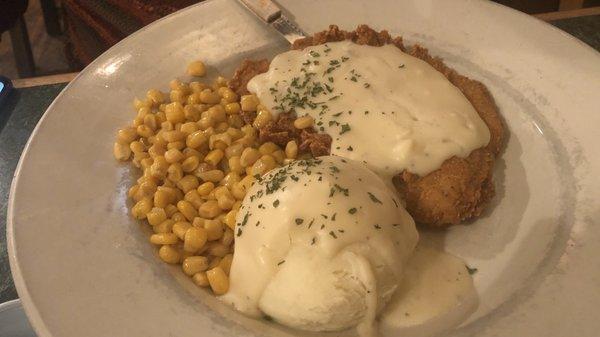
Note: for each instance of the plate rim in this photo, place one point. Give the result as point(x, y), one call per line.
point(26, 300)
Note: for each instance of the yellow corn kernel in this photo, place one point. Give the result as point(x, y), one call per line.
point(189, 152)
point(178, 217)
point(291, 149)
point(169, 254)
point(249, 157)
point(170, 209)
point(191, 112)
point(155, 96)
point(263, 165)
point(163, 239)
point(173, 136)
point(218, 280)
point(196, 139)
point(188, 183)
point(219, 141)
point(217, 249)
point(200, 279)
point(144, 131)
point(268, 148)
point(174, 112)
point(249, 102)
point(196, 68)
point(227, 238)
point(205, 188)
point(156, 216)
point(225, 263)
point(230, 219)
point(164, 227)
point(137, 147)
point(150, 121)
point(187, 209)
point(230, 179)
point(194, 239)
point(121, 151)
point(178, 145)
point(175, 84)
point(198, 222)
point(279, 156)
point(262, 118)
point(224, 198)
point(197, 87)
point(166, 126)
point(214, 229)
point(141, 208)
point(235, 165)
point(189, 128)
point(173, 156)
point(162, 199)
point(177, 96)
point(304, 122)
point(232, 108)
point(180, 228)
point(175, 172)
point(209, 209)
point(132, 191)
point(208, 96)
point(212, 175)
point(206, 122)
point(190, 164)
point(217, 113)
point(214, 157)
point(194, 198)
point(127, 135)
point(194, 264)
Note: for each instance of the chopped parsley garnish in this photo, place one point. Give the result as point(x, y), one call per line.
point(332, 233)
point(299, 221)
point(352, 210)
point(377, 226)
point(345, 128)
point(276, 203)
point(471, 270)
point(374, 198)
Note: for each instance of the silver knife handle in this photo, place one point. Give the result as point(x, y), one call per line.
point(267, 10)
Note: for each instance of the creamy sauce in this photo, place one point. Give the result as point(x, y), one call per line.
point(436, 293)
point(320, 245)
point(380, 105)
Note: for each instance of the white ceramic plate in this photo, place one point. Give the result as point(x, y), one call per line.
point(13, 322)
point(83, 267)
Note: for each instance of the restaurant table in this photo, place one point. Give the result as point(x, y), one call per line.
point(26, 105)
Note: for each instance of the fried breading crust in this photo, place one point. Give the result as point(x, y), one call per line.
point(461, 187)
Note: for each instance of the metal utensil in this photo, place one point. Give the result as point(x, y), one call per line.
point(271, 14)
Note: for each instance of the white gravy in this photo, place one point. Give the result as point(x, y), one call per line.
point(436, 293)
point(384, 107)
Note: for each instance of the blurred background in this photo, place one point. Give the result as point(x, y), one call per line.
point(46, 37)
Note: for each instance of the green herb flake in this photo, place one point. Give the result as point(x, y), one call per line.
point(352, 210)
point(276, 203)
point(471, 270)
point(345, 128)
point(374, 198)
point(299, 221)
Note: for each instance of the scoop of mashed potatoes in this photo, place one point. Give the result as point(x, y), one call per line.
point(321, 245)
